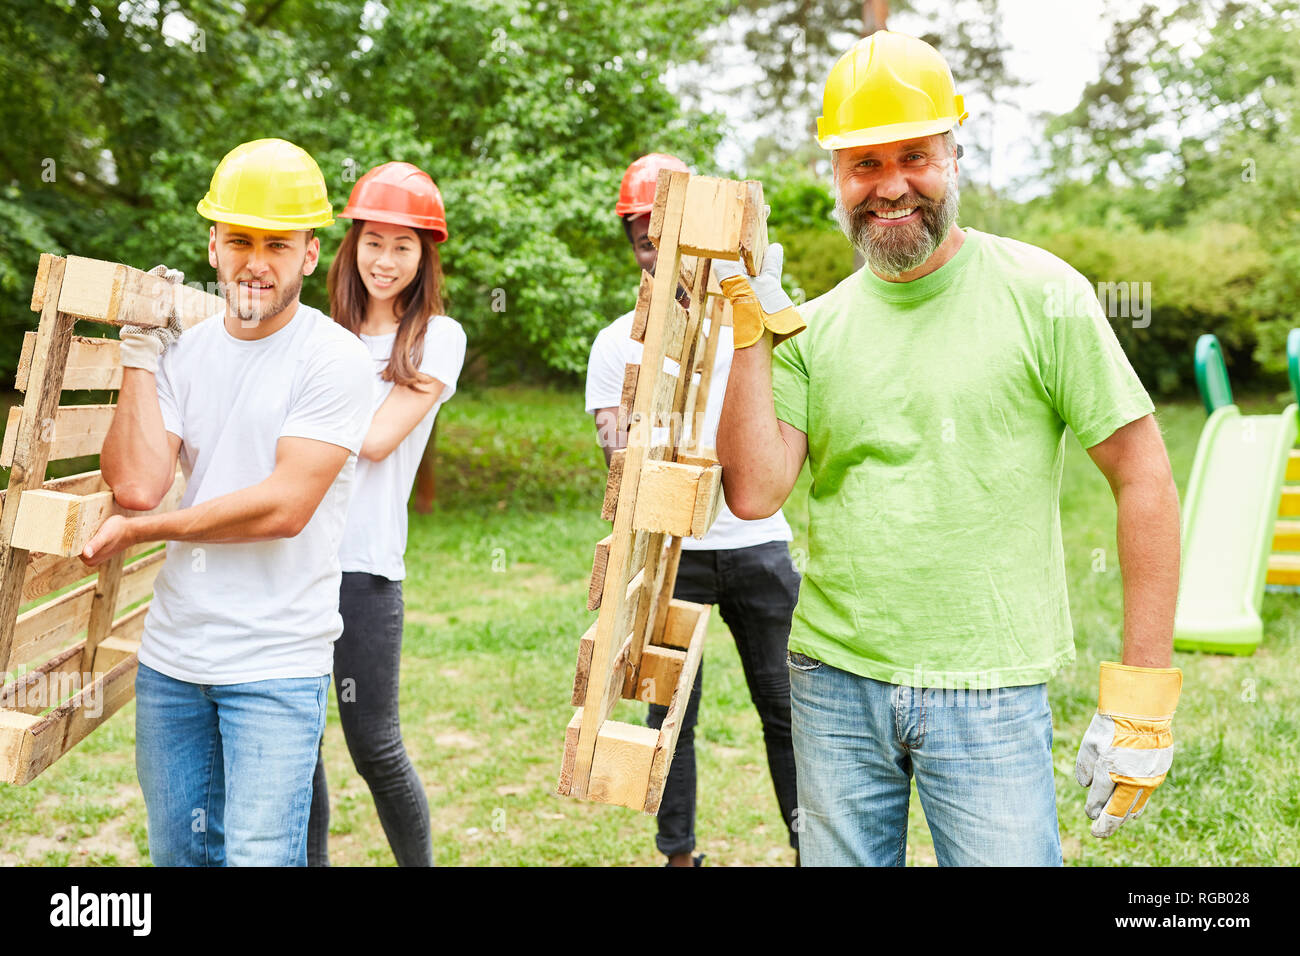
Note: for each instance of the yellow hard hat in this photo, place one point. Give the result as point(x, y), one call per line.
point(268, 184)
point(887, 87)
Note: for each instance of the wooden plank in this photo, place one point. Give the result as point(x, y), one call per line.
point(103, 607)
point(678, 319)
point(43, 687)
point(92, 363)
point(714, 212)
point(672, 200)
point(623, 757)
point(120, 295)
point(53, 338)
point(61, 676)
point(115, 688)
point(45, 628)
point(84, 483)
point(697, 406)
point(672, 724)
point(627, 397)
point(583, 669)
point(648, 608)
point(612, 481)
point(67, 725)
point(669, 499)
point(708, 501)
point(679, 623)
point(14, 730)
point(53, 522)
point(73, 431)
point(641, 314)
point(684, 385)
point(725, 220)
point(47, 573)
point(664, 595)
point(42, 280)
point(753, 228)
point(707, 458)
point(656, 679)
point(25, 361)
point(599, 565)
point(1293, 466)
point(113, 650)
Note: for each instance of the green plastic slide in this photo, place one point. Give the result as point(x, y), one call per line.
point(1229, 514)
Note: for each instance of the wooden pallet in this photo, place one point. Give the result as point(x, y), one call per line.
point(644, 644)
point(69, 661)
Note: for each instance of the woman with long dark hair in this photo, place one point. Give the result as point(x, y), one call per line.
point(385, 285)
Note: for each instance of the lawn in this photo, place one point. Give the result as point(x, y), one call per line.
point(495, 593)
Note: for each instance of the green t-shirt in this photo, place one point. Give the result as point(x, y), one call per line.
point(935, 412)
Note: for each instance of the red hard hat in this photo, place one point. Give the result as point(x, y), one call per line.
point(401, 194)
point(637, 194)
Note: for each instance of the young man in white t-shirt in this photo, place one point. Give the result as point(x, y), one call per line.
point(265, 407)
point(744, 567)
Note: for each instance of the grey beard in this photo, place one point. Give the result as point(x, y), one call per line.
point(903, 249)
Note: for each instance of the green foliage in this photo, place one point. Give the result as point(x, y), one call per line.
point(525, 113)
point(1199, 280)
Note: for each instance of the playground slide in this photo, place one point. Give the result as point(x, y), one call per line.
point(1228, 518)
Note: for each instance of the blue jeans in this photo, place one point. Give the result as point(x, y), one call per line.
point(982, 761)
point(226, 769)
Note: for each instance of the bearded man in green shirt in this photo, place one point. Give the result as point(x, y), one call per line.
point(930, 393)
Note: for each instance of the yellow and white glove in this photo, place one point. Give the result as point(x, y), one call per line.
point(758, 302)
point(1129, 746)
point(142, 346)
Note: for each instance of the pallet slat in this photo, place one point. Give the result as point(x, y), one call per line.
point(28, 744)
point(120, 295)
point(54, 522)
point(72, 432)
point(46, 628)
point(92, 363)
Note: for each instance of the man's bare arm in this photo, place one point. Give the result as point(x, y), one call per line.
point(138, 458)
point(278, 507)
point(760, 455)
point(610, 436)
point(1135, 463)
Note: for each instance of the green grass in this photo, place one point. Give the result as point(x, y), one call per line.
point(495, 594)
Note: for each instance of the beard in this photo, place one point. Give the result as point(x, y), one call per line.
point(894, 250)
point(257, 312)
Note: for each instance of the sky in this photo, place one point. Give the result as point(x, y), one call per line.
point(1056, 47)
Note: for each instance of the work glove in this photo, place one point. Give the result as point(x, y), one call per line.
point(758, 303)
point(142, 346)
point(1129, 746)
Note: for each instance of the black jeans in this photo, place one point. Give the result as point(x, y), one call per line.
point(366, 659)
point(755, 589)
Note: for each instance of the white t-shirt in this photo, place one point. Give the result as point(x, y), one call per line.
point(374, 538)
point(613, 349)
point(235, 612)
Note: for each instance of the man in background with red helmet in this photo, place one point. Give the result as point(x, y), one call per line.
point(743, 567)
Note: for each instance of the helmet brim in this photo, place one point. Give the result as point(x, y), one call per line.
point(439, 229)
point(208, 211)
point(876, 135)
